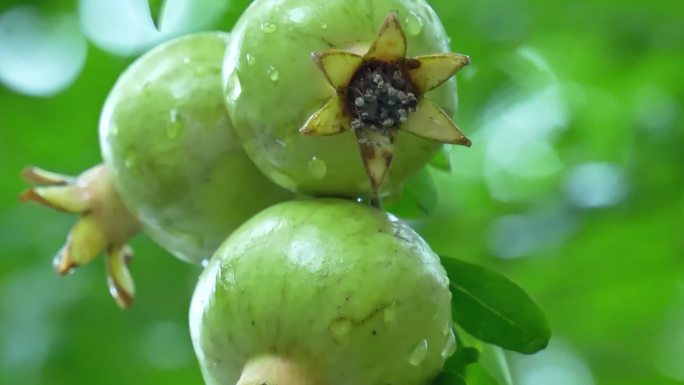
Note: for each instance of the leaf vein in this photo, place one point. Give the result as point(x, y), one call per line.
point(490, 308)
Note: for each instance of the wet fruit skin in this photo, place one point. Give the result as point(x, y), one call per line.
point(175, 159)
point(272, 86)
point(345, 292)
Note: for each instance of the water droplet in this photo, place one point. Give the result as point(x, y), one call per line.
point(324, 25)
point(57, 264)
point(233, 87)
point(447, 327)
point(445, 281)
point(340, 328)
point(174, 130)
point(175, 127)
point(114, 132)
point(317, 168)
point(268, 27)
point(449, 346)
point(390, 313)
point(204, 262)
point(250, 59)
point(131, 162)
point(273, 74)
point(419, 353)
point(414, 24)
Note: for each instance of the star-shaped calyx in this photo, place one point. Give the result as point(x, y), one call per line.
point(382, 92)
point(105, 223)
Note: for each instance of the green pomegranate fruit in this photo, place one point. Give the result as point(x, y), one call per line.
point(174, 156)
point(311, 85)
point(322, 292)
point(173, 166)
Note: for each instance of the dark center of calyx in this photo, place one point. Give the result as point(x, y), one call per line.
point(380, 96)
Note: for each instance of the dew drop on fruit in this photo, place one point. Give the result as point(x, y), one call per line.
point(317, 168)
point(414, 24)
point(268, 27)
point(324, 25)
point(174, 130)
point(340, 328)
point(446, 328)
point(445, 281)
point(175, 127)
point(449, 346)
point(250, 59)
point(419, 353)
point(390, 313)
point(204, 262)
point(233, 87)
point(273, 74)
point(131, 162)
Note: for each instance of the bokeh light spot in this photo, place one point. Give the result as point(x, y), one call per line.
point(124, 27)
point(515, 236)
point(593, 185)
point(40, 54)
point(518, 134)
point(559, 364)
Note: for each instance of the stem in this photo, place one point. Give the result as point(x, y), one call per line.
point(273, 370)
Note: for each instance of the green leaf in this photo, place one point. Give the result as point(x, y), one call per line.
point(417, 199)
point(493, 309)
point(442, 159)
point(157, 12)
point(477, 375)
point(449, 378)
point(463, 357)
point(462, 368)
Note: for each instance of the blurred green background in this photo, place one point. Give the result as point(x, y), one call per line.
point(573, 187)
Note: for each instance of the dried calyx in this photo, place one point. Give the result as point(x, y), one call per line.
point(380, 96)
point(105, 225)
point(382, 92)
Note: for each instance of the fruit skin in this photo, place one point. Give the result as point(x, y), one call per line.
point(340, 289)
point(272, 86)
point(175, 159)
